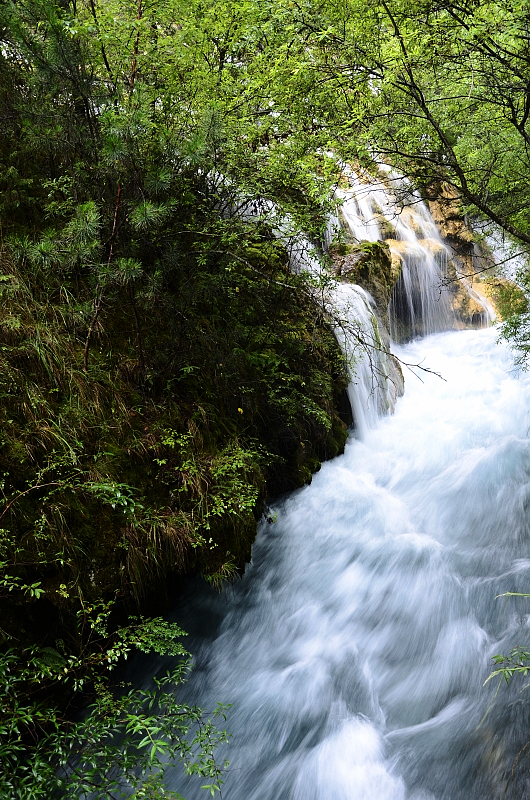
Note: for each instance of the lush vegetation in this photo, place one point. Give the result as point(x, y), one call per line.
point(162, 369)
point(125, 740)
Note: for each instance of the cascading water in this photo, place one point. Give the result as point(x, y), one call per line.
point(374, 382)
point(373, 389)
point(355, 647)
point(371, 211)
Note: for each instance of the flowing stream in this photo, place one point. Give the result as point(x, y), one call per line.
point(355, 647)
point(375, 211)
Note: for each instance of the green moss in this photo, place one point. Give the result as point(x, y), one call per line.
point(507, 298)
point(369, 265)
point(202, 397)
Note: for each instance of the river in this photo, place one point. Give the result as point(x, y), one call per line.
point(355, 647)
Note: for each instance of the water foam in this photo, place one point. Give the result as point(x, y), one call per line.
point(355, 647)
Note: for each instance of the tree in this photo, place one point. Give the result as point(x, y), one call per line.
point(438, 89)
point(160, 366)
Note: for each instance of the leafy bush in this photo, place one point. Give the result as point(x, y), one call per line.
point(125, 741)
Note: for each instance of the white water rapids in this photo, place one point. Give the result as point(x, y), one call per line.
point(355, 647)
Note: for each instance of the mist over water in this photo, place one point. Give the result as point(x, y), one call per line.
point(355, 647)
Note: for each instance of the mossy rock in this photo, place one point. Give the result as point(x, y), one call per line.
point(236, 358)
point(507, 298)
point(367, 264)
point(388, 231)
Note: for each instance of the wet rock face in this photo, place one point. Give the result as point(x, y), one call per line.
point(395, 373)
point(370, 265)
point(466, 291)
point(468, 311)
point(444, 205)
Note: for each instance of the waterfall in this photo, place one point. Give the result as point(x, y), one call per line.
point(373, 387)
point(355, 647)
point(374, 210)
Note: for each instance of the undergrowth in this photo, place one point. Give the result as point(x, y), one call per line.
point(154, 460)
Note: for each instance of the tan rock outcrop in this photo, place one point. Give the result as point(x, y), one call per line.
point(446, 211)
